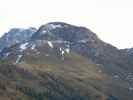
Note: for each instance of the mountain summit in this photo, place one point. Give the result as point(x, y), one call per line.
point(63, 31)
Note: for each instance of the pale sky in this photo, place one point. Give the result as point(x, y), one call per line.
point(111, 20)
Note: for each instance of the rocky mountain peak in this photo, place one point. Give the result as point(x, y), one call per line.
point(15, 35)
point(64, 32)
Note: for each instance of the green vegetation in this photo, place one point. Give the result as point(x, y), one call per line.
point(56, 77)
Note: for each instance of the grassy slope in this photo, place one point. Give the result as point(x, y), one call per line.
point(78, 73)
point(53, 77)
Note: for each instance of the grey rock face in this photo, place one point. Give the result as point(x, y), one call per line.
point(15, 36)
point(129, 51)
point(63, 31)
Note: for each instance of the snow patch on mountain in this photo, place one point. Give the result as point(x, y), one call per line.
point(116, 76)
point(53, 26)
point(47, 55)
point(83, 41)
point(62, 51)
point(23, 46)
point(67, 50)
point(6, 54)
point(50, 44)
point(33, 47)
point(44, 32)
point(18, 58)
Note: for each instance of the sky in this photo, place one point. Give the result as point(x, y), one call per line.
point(111, 20)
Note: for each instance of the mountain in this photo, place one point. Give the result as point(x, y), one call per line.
point(65, 62)
point(83, 41)
point(14, 36)
point(128, 51)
